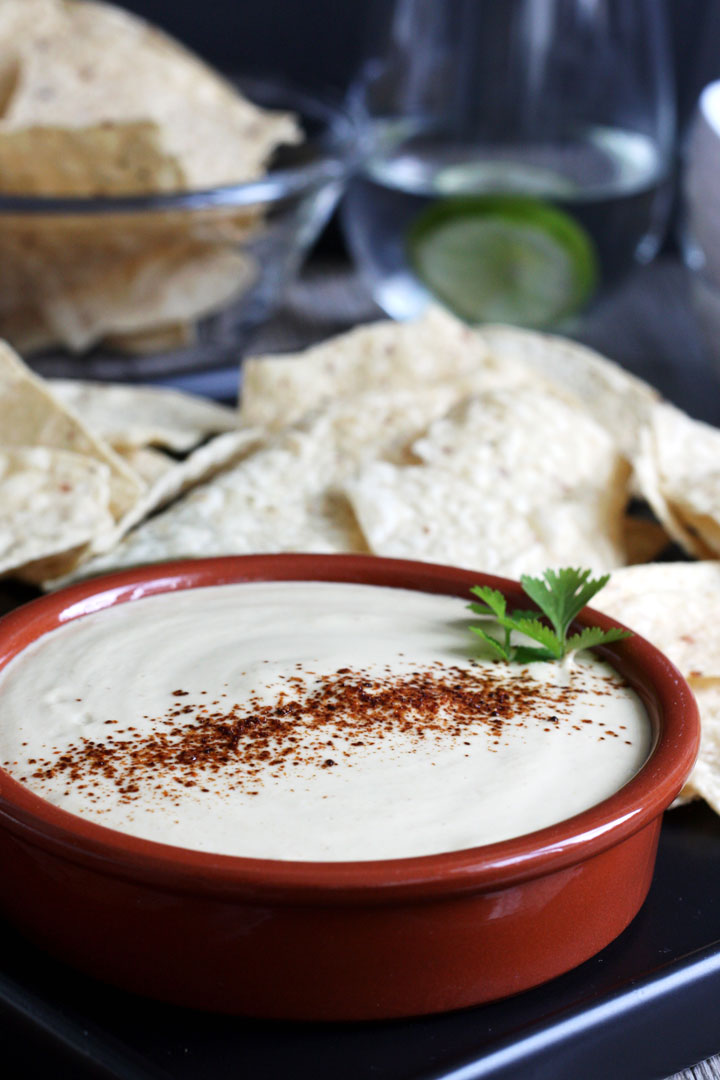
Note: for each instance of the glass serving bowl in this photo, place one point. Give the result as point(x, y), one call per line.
point(213, 262)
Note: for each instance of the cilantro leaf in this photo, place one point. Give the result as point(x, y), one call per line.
point(539, 632)
point(534, 615)
point(499, 648)
point(528, 654)
point(494, 602)
point(560, 595)
point(593, 635)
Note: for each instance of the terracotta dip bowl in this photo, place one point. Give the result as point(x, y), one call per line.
point(341, 940)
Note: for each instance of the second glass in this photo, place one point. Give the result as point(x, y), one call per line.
point(517, 155)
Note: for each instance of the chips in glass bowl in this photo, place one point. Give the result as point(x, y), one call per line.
point(150, 211)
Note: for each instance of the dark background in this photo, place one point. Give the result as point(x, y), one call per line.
point(319, 43)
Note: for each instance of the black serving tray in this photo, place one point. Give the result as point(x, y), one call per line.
point(645, 1007)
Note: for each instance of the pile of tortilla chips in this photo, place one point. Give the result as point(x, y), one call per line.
point(495, 449)
point(673, 605)
point(80, 465)
point(95, 103)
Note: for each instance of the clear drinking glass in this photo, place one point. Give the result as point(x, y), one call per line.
point(517, 154)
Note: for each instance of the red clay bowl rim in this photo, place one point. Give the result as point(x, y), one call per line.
point(665, 694)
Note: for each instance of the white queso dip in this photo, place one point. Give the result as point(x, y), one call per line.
point(310, 721)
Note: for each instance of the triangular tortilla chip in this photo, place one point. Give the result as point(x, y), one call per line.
point(31, 416)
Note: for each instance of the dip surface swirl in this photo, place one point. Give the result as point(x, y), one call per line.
point(311, 721)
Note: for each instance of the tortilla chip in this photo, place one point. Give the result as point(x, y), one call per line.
point(276, 499)
point(668, 603)
point(428, 513)
point(617, 400)
point(130, 416)
point(278, 390)
point(642, 539)
point(423, 513)
point(681, 473)
point(203, 464)
point(164, 285)
point(178, 335)
point(283, 496)
point(532, 442)
point(384, 356)
point(109, 159)
point(672, 605)
point(648, 485)
point(375, 425)
point(51, 501)
point(148, 463)
point(704, 780)
point(31, 416)
point(9, 76)
point(64, 279)
point(71, 78)
point(556, 469)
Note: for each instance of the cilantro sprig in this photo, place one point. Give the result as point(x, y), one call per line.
point(560, 595)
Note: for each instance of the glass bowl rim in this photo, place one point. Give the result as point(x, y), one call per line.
point(334, 164)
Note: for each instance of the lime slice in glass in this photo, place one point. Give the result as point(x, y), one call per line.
point(503, 259)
